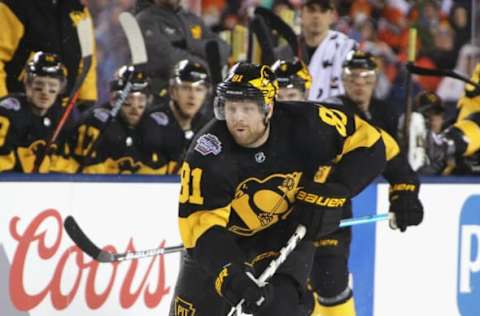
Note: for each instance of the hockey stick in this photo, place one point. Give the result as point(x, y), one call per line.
point(85, 37)
point(273, 266)
point(213, 61)
point(421, 71)
point(138, 53)
point(260, 29)
point(86, 245)
point(283, 29)
point(412, 41)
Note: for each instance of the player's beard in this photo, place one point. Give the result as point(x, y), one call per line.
point(251, 139)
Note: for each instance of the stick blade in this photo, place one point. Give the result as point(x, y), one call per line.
point(85, 37)
point(83, 242)
point(134, 38)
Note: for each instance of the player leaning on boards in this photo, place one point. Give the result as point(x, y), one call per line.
point(247, 181)
point(180, 116)
point(27, 119)
point(329, 276)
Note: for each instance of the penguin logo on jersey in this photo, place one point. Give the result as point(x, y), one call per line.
point(261, 203)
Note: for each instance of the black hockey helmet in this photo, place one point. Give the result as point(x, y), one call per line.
point(189, 71)
point(426, 101)
point(46, 65)
point(139, 80)
point(357, 59)
point(292, 74)
point(247, 81)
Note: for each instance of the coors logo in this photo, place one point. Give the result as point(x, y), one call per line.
point(38, 244)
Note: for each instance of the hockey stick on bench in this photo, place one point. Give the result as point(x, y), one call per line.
point(86, 245)
point(138, 54)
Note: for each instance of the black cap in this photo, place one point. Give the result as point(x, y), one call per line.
point(324, 4)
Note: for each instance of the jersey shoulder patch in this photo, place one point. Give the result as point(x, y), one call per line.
point(161, 118)
point(208, 144)
point(10, 103)
point(101, 114)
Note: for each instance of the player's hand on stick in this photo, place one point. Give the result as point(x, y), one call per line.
point(406, 207)
point(235, 283)
point(320, 208)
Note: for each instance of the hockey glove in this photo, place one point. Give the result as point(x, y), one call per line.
point(234, 284)
point(320, 208)
point(406, 206)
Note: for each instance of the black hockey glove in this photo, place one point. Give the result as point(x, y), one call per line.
point(320, 208)
point(406, 206)
point(233, 284)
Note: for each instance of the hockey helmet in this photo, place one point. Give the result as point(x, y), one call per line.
point(189, 71)
point(46, 65)
point(357, 59)
point(247, 81)
point(426, 101)
point(138, 79)
point(292, 74)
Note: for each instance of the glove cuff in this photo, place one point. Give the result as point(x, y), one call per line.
point(229, 272)
point(402, 189)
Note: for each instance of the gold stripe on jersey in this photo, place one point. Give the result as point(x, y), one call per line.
point(7, 162)
point(196, 224)
point(9, 40)
point(471, 132)
point(391, 147)
point(365, 135)
point(468, 106)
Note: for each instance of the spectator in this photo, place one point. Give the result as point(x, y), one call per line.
point(172, 34)
point(322, 49)
point(27, 120)
point(42, 25)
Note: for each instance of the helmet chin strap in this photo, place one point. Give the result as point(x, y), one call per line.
point(179, 111)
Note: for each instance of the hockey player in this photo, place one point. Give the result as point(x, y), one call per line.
point(329, 277)
point(125, 144)
point(461, 141)
point(322, 49)
point(248, 179)
point(181, 115)
point(294, 80)
point(27, 120)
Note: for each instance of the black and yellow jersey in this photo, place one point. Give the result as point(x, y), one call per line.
point(230, 192)
point(29, 26)
point(23, 135)
point(101, 145)
point(171, 141)
point(398, 171)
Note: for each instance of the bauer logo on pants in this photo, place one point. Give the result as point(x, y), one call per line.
point(468, 274)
